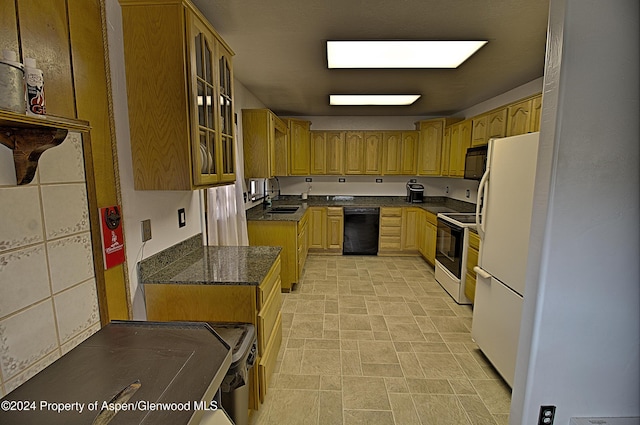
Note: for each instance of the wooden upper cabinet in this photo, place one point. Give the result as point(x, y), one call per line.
point(459, 142)
point(408, 164)
point(400, 149)
point(479, 130)
point(182, 137)
point(354, 152)
point(373, 152)
point(265, 144)
point(318, 152)
point(299, 147)
point(392, 157)
point(446, 152)
point(430, 145)
point(488, 126)
point(536, 113)
point(327, 152)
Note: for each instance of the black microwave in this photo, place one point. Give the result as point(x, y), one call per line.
point(475, 162)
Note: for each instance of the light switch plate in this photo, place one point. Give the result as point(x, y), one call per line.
point(182, 218)
point(146, 230)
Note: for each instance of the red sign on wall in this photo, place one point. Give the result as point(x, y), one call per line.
point(112, 239)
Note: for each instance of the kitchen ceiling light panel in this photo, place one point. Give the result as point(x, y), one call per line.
point(400, 54)
point(373, 99)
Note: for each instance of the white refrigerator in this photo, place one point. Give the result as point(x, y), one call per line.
point(503, 216)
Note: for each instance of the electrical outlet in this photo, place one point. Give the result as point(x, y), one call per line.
point(378, 180)
point(308, 179)
point(146, 230)
point(182, 218)
point(468, 193)
point(341, 180)
point(547, 413)
point(446, 189)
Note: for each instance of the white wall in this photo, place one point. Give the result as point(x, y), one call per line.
point(580, 340)
point(159, 206)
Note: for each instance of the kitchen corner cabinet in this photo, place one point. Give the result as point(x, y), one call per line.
point(299, 147)
point(430, 145)
point(180, 96)
point(258, 305)
point(473, 248)
point(264, 137)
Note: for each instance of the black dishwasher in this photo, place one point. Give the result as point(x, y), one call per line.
point(361, 231)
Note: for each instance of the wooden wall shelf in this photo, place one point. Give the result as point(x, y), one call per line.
point(28, 137)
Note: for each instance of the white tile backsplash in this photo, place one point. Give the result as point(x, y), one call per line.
point(24, 278)
point(46, 263)
point(64, 163)
point(76, 310)
point(21, 222)
point(70, 261)
point(26, 338)
point(65, 209)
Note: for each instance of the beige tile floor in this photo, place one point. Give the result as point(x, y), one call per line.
point(376, 340)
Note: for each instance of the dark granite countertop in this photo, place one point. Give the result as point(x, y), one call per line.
point(193, 264)
point(433, 204)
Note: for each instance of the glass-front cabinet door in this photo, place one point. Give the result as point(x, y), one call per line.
point(227, 125)
point(212, 149)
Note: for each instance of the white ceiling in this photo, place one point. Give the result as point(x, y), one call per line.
point(280, 48)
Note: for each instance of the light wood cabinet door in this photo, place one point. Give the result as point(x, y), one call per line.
point(335, 152)
point(536, 113)
point(409, 154)
point(479, 130)
point(496, 124)
point(354, 152)
point(373, 152)
point(430, 147)
point(335, 228)
point(446, 152)
point(431, 230)
point(317, 228)
point(318, 152)
point(265, 144)
point(410, 236)
point(299, 147)
point(519, 118)
point(460, 141)
point(392, 157)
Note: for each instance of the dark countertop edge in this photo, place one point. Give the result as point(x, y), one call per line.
point(432, 204)
point(166, 275)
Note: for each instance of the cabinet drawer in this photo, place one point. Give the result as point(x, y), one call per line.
point(386, 212)
point(389, 242)
point(272, 279)
point(390, 221)
point(390, 231)
point(472, 260)
point(470, 287)
point(474, 240)
point(268, 361)
point(267, 318)
point(333, 211)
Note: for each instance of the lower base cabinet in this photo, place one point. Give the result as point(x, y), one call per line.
point(258, 305)
point(473, 248)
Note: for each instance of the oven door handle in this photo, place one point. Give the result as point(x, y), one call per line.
point(481, 203)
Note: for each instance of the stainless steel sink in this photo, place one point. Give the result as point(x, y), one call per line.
point(289, 209)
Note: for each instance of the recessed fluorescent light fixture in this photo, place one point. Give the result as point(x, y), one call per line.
point(372, 99)
point(400, 54)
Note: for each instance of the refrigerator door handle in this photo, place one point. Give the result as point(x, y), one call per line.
point(482, 273)
point(481, 203)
